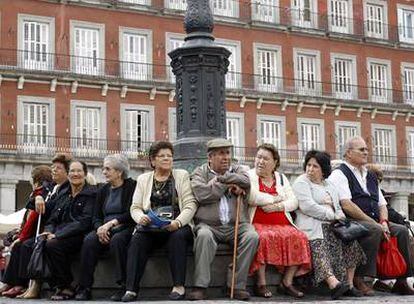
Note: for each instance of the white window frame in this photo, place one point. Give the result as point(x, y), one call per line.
point(99, 148)
point(410, 147)
point(36, 148)
point(172, 124)
point(354, 81)
point(312, 121)
point(383, 159)
point(401, 26)
point(232, 10)
point(151, 127)
point(168, 37)
point(179, 5)
point(135, 70)
point(50, 52)
point(382, 24)
point(276, 84)
point(238, 150)
point(348, 27)
point(347, 124)
point(136, 2)
point(233, 78)
point(302, 85)
point(79, 65)
point(266, 11)
point(387, 98)
point(280, 143)
point(297, 14)
point(408, 91)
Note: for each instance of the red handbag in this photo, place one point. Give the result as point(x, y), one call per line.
point(390, 262)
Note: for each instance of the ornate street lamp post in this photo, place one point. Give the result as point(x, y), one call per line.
point(200, 67)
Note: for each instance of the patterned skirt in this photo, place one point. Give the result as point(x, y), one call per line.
point(331, 256)
point(282, 246)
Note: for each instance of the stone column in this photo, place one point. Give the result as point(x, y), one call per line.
point(200, 67)
point(399, 201)
point(8, 196)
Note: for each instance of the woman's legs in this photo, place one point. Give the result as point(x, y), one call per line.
point(350, 272)
point(261, 276)
point(289, 274)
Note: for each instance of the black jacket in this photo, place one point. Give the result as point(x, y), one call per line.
point(128, 188)
point(72, 216)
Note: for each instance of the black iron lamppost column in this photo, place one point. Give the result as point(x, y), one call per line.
point(200, 67)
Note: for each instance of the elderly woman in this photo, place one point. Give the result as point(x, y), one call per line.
point(14, 278)
point(112, 226)
point(281, 243)
point(66, 228)
point(333, 261)
point(170, 189)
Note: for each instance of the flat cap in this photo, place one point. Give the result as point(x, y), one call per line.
point(218, 143)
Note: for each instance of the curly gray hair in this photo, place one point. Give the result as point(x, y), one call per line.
point(120, 163)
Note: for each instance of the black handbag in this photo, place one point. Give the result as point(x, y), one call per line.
point(38, 267)
point(348, 230)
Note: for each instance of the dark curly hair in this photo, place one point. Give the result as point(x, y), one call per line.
point(41, 174)
point(272, 149)
point(156, 147)
point(322, 158)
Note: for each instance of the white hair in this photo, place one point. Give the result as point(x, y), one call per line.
point(120, 163)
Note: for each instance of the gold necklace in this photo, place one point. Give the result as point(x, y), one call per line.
point(159, 186)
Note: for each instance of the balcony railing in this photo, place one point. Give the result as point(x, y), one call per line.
point(23, 145)
point(151, 74)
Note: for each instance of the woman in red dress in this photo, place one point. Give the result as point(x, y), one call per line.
point(281, 243)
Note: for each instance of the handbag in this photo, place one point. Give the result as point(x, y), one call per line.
point(390, 262)
point(38, 267)
point(348, 230)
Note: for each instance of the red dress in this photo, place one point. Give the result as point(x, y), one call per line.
point(281, 244)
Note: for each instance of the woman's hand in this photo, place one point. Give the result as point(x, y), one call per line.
point(173, 226)
point(103, 233)
point(144, 220)
point(14, 243)
point(276, 207)
point(40, 204)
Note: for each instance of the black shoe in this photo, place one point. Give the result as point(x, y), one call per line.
point(339, 290)
point(353, 292)
point(117, 296)
point(83, 294)
point(129, 297)
point(175, 296)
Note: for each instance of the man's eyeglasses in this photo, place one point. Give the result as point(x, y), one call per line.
point(363, 149)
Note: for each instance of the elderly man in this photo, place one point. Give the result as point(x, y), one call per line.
point(216, 186)
point(363, 201)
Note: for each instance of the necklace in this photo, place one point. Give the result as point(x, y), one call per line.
point(159, 186)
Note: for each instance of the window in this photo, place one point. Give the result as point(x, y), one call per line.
point(235, 132)
point(307, 75)
point(141, 2)
point(271, 129)
point(345, 130)
point(265, 10)
point(304, 13)
point(410, 148)
point(36, 42)
point(384, 144)
point(226, 8)
point(379, 80)
point(88, 128)
point(311, 135)
point(35, 124)
point(87, 48)
point(344, 76)
point(172, 124)
point(340, 16)
point(174, 41)
point(176, 4)
point(408, 82)
point(268, 68)
point(233, 76)
point(137, 128)
point(406, 23)
point(136, 54)
point(375, 17)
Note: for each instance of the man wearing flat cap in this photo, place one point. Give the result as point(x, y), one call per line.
point(216, 186)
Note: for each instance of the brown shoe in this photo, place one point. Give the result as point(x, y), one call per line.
point(381, 286)
point(402, 288)
point(290, 291)
point(240, 294)
point(197, 293)
point(363, 287)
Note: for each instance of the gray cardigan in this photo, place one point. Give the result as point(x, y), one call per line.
point(313, 212)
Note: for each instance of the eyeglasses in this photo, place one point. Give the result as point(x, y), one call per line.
point(164, 156)
point(363, 149)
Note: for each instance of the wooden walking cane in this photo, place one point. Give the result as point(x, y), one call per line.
point(236, 240)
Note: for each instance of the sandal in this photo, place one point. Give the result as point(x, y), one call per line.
point(63, 295)
point(290, 291)
point(262, 291)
